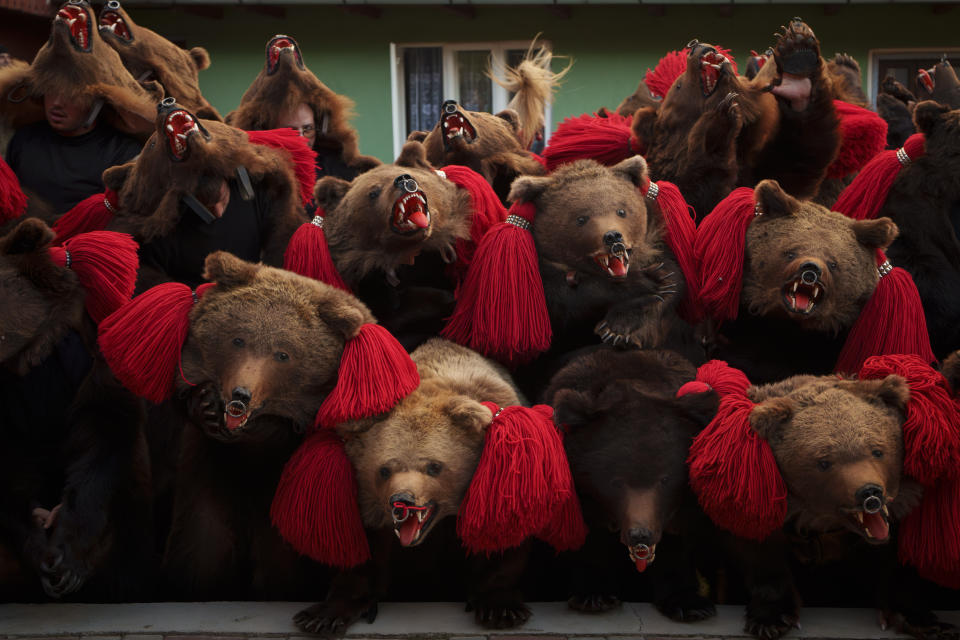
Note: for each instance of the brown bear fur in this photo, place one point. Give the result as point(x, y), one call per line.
point(490, 145)
point(924, 202)
point(273, 340)
point(844, 73)
point(895, 105)
point(424, 452)
point(73, 454)
point(286, 85)
point(148, 55)
point(946, 85)
point(790, 237)
point(640, 98)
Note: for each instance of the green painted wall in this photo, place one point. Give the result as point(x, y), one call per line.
point(611, 45)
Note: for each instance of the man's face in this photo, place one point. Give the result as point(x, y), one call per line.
point(5, 59)
point(301, 120)
point(66, 116)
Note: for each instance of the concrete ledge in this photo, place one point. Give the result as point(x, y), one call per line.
point(550, 621)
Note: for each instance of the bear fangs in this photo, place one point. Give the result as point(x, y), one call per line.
point(180, 125)
point(76, 20)
point(410, 530)
point(801, 297)
point(875, 526)
point(641, 555)
point(455, 125)
point(615, 263)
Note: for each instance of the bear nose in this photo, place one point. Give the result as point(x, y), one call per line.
point(241, 394)
point(810, 272)
point(449, 106)
point(612, 237)
point(871, 497)
point(640, 535)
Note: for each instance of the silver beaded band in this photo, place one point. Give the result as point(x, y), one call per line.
point(885, 268)
point(653, 191)
point(518, 221)
point(757, 211)
point(68, 260)
point(318, 221)
point(442, 174)
point(106, 203)
point(902, 156)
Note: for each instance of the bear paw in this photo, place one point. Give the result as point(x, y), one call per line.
point(771, 627)
point(686, 607)
point(204, 409)
point(797, 51)
point(593, 603)
point(498, 613)
point(61, 572)
point(922, 625)
point(846, 60)
point(334, 617)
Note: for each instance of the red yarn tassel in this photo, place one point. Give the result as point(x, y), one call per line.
point(723, 378)
point(735, 475)
point(106, 265)
point(309, 254)
point(929, 537)
point(863, 135)
point(540, 159)
point(567, 530)
point(91, 214)
point(13, 201)
point(142, 340)
point(303, 157)
point(892, 322)
point(865, 196)
point(607, 140)
point(501, 309)
point(487, 210)
point(315, 506)
point(680, 235)
point(719, 248)
point(521, 481)
point(375, 373)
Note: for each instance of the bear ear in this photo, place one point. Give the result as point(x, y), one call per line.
point(528, 188)
point(413, 155)
point(573, 408)
point(634, 170)
point(512, 118)
point(228, 271)
point(928, 114)
point(893, 391)
point(340, 311)
point(417, 136)
point(468, 414)
point(29, 236)
point(767, 417)
point(329, 191)
point(115, 177)
point(875, 234)
point(643, 121)
point(200, 57)
point(774, 202)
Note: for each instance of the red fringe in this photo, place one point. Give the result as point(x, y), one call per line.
point(13, 201)
point(672, 66)
point(607, 140)
point(106, 265)
point(694, 386)
point(487, 210)
point(863, 135)
point(681, 234)
point(501, 309)
point(142, 340)
point(90, 214)
point(315, 506)
point(931, 433)
point(929, 537)
point(309, 255)
point(734, 474)
point(520, 483)
point(539, 158)
point(375, 373)
point(303, 157)
point(719, 247)
point(723, 378)
point(567, 530)
point(892, 322)
point(865, 196)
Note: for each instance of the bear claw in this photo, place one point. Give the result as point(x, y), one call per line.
point(332, 618)
point(593, 603)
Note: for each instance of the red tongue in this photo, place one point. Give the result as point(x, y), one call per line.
point(408, 530)
point(641, 564)
point(803, 300)
point(617, 266)
point(233, 422)
point(420, 219)
point(876, 525)
point(926, 79)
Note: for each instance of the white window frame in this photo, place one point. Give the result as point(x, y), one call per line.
point(875, 56)
point(451, 86)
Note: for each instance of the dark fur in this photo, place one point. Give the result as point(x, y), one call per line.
point(895, 105)
point(946, 86)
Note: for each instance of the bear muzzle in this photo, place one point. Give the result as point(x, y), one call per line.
point(76, 20)
point(112, 23)
point(805, 290)
point(411, 521)
point(454, 126)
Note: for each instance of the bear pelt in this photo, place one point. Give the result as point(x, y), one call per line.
point(838, 444)
point(895, 104)
point(642, 97)
point(485, 142)
point(807, 274)
point(924, 202)
point(940, 84)
point(715, 130)
point(75, 62)
point(627, 440)
point(422, 455)
point(283, 84)
point(844, 72)
point(74, 511)
point(262, 352)
point(147, 55)
point(606, 269)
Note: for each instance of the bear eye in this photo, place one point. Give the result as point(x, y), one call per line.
point(621, 213)
point(582, 220)
point(664, 480)
point(790, 255)
point(832, 265)
point(434, 469)
point(824, 464)
point(374, 193)
point(238, 342)
point(281, 356)
point(384, 472)
point(877, 453)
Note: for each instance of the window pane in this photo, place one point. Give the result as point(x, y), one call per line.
point(423, 80)
point(476, 91)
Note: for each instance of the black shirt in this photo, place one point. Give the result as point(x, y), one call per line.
point(64, 170)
